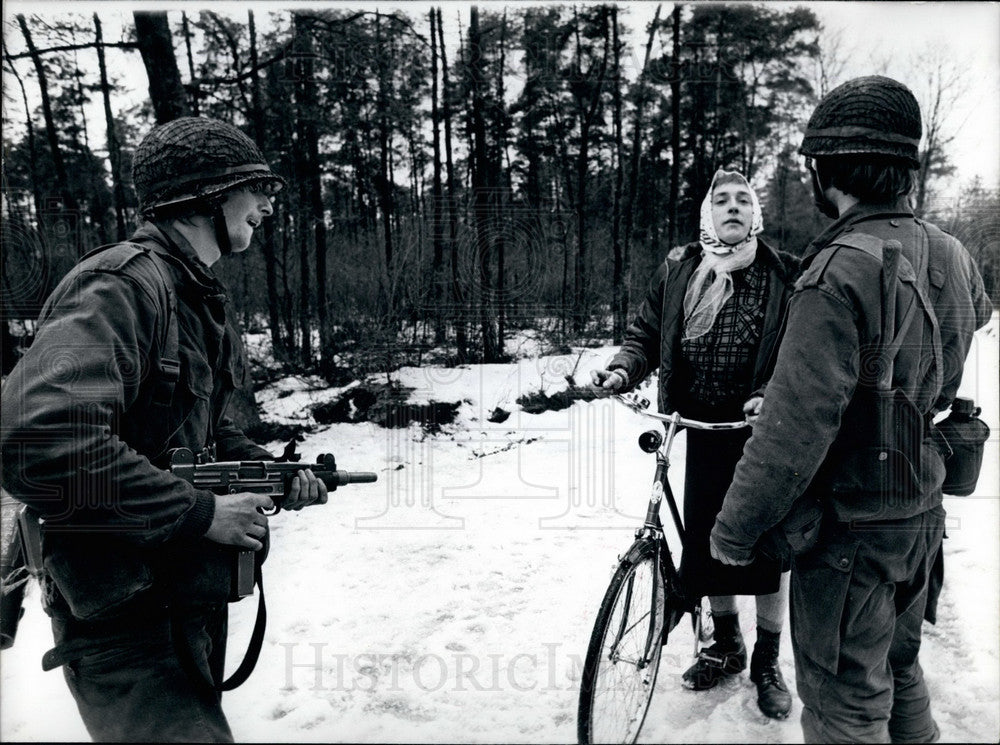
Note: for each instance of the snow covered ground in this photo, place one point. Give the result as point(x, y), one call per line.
point(452, 601)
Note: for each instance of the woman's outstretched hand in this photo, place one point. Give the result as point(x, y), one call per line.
point(610, 380)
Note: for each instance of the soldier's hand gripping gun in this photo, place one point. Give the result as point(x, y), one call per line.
point(273, 478)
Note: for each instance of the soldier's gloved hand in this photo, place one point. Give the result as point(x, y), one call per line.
point(239, 520)
point(306, 489)
point(611, 380)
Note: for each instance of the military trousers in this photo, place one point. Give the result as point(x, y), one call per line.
point(857, 605)
point(128, 680)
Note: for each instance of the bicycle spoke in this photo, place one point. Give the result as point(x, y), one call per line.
point(621, 679)
point(644, 617)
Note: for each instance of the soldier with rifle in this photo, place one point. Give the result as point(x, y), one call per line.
point(136, 357)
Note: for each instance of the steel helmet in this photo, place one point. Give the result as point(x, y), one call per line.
point(189, 160)
point(872, 114)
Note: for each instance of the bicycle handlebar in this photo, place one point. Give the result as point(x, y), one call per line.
point(639, 405)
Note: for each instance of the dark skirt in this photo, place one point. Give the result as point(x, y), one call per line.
point(709, 467)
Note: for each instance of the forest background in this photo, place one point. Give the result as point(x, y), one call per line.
point(456, 173)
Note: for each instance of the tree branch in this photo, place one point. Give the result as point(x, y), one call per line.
point(249, 73)
point(129, 45)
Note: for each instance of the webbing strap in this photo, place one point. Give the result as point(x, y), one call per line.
point(892, 263)
point(169, 365)
point(187, 660)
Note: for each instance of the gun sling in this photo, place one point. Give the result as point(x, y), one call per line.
point(246, 667)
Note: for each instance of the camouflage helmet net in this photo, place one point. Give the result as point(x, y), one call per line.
point(868, 115)
point(191, 159)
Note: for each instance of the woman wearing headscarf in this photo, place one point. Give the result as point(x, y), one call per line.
point(709, 322)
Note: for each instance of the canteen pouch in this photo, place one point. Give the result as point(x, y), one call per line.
point(966, 435)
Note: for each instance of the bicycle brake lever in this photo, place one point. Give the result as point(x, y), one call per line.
point(634, 401)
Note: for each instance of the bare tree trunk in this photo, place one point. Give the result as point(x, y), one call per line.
point(675, 125)
point(480, 186)
point(62, 178)
point(385, 181)
point(783, 171)
point(258, 117)
point(152, 33)
point(437, 261)
point(642, 100)
point(81, 98)
point(500, 139)
point(288, 302)
point(304, 72)
point(587, 118)
point(565, 179)
point(114, 148)
point(458, 295)
point(717, 105)
point(618, 283)
point(195, 90)
point(309, 113)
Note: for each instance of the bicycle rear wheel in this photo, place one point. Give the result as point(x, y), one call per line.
point(624, 651)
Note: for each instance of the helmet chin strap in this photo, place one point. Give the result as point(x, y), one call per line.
point(221, 230)
point(822, 202)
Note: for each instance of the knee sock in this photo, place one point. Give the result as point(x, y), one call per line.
point(727, 627)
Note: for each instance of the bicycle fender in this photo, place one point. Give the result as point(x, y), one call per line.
point(639, 549)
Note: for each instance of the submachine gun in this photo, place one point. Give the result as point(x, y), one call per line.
point(20, 542)
point(273, 478)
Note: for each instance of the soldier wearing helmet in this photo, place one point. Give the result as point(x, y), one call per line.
point(193, 167)
point(877, 333)
point(136, 354)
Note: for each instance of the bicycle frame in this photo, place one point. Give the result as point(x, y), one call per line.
point(644, 603)
point(653, 527)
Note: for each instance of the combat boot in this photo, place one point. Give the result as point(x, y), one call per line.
point(727, 656)
point(773, 697)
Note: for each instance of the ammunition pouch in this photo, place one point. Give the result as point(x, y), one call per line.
point(97, 576)
point(201, 571)
point(876, 458)
point(101, 577)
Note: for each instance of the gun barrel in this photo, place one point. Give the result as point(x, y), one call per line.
point(339, 478)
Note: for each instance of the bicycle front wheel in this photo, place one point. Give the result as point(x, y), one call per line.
point(624, 652)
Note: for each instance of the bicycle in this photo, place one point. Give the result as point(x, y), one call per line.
point(643, 605)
